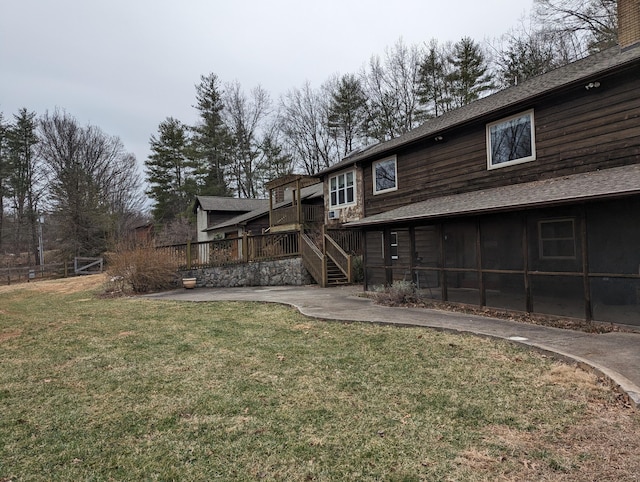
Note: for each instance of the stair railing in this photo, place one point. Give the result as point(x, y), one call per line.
point(338, 256)
point(313, 260)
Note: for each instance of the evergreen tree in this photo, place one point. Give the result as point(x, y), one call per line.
point(469, 78)
point(4, 169)
point(433, 89)
point(23, 179)
point(170, 171)
point(346, 112)
point(211, 139)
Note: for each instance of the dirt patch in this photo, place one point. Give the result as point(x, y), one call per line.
point(9, 335)
point(63, 285)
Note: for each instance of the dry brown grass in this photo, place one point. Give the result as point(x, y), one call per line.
point(62, 285)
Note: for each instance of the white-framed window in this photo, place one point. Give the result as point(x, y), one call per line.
point(385, 175)
point(511, 141)
point(342, 189)
point(394, 245)
point(557, 238)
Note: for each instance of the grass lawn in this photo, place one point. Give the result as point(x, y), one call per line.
point(139, 389)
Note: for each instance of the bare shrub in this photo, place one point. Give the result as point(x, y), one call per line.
point(399, 293)
point(140, 269)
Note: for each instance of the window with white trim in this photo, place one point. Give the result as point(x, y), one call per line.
point(385, 175)
point(342, 189)
point(511, 141)
point(557, 239)
point(394, 245)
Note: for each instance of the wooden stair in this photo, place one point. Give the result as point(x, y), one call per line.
point(335, 276)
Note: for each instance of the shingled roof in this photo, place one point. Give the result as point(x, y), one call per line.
point(581, 71)
point(309, 192)
point(222, 203)
point(607, 183)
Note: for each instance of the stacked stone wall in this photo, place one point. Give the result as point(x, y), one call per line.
point(283, 272)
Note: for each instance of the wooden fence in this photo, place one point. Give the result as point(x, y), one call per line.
point(23, 274)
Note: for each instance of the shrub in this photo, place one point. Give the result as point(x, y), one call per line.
point(140, 269)
point(399, 293)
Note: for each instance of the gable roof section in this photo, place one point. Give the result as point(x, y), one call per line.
point(607, 183)
point(580, 71)
point(309, 192)
point(223, 203)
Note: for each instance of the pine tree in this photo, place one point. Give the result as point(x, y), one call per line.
point(433, 89)
point(4, 167)
point(23, 179)
point(347, 111)
point(170, 171)
point(469, 78)
point(211, 139)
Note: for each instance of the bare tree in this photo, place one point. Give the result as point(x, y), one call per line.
point(244, 116)
point(391, 87)
point(85, 166)
point(304, 120)
point(591, 25)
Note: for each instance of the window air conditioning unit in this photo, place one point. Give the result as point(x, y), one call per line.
point(335, 214)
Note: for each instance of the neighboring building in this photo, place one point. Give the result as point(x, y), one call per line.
point(528, 199)
point(213, 210)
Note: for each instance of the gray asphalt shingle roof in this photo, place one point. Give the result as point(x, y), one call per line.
point(309, 192)
point(583, 70)
point(607, 183)
point(222, 203)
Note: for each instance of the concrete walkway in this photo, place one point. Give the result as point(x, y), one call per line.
point(616, 355)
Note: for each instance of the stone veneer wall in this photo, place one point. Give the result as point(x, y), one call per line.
point(282, 272)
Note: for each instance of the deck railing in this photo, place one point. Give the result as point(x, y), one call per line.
point(228, 251)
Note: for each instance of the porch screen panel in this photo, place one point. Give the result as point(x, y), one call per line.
point(374, 259)
point(460, 245)
point(613, 231)
point(558, 295)
point(426, 262)
point(501, 239)
point(427, 246)
point(374, 251)
point(376, 277)
point(462, 287)
point(616, 300)
point(505, 291)
point(401, 250)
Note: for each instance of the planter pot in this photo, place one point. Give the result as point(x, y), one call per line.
point(189, 283)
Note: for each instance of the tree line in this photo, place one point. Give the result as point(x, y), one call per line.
point(243, 139)
point(77, 180)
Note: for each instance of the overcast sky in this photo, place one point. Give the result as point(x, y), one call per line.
point(126, 65)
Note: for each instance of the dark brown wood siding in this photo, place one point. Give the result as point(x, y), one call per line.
point(580, 130)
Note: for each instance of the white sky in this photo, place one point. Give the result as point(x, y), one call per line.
point(126, 65)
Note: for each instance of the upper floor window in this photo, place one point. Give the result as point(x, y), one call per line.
point(342, 189)
point(385, 176)
point(511, 141)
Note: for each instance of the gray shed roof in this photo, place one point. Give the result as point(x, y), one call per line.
point(607, 183)
point(581, 71)
point(222, 203)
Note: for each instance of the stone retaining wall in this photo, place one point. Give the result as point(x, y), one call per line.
point(282, 272)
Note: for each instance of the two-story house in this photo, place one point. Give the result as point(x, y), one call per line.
point(528, 199)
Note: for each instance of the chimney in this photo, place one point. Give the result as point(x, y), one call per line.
point(628, 22)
